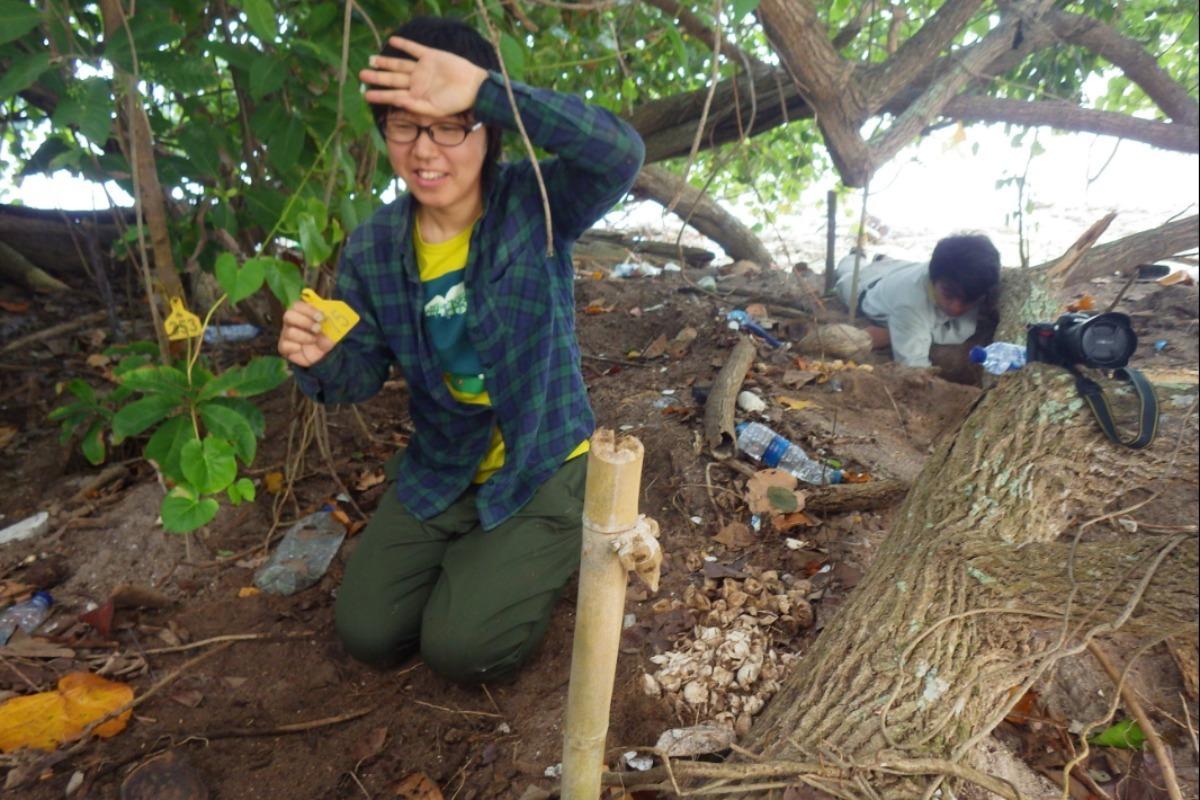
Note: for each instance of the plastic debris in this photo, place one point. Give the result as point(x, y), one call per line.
point(751, 403)
point(708, 283)
point(304, 554)
point(630, 269)
point(641, 763)
point(740, 320)
point(28, 528)
point(231, 334)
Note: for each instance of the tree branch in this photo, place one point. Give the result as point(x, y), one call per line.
point(1139, 248)
point(922, 47)
point(1131, 58)
point(697, 28)
point(1066, 116)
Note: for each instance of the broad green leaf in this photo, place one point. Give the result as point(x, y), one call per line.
point(95, 120)
point(514, 56)
point(81, 389)
point(743, 7)
point(203, 148)
point(141, 414)
point(208, 464)
point(1126, 734)
point(71, 413)
point(262, 374)
point(284, 279)
point(93, 443)
point(284, 149)
point(183, 511)
point(17, 18)
point(250, 412)
point(228, 423)
point(782, 499)
point(152, 379)
point(316, 250)
point(241, 490)
point(22, 72)
point(167, 443)
point(266, 75)
point(238, 283)
point(261, 16)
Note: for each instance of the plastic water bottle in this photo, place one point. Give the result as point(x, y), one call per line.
point(999, 357)
point(763, 444)
point(304, 554)
point(27, 616)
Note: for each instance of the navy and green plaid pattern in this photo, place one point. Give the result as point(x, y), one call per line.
point(521, 310)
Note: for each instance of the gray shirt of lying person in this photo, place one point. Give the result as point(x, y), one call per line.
point(897, 295)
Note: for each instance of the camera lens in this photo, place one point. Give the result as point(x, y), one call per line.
point(1107, 343)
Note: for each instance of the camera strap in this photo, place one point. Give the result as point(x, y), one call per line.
point(1091, 391)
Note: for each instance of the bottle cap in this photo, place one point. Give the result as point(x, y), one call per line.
point(978, 355)
point(44, 596)
point(741, 426)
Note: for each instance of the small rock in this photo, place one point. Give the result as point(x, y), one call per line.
point(28, 528)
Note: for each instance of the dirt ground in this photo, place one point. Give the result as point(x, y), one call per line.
point(359, 732)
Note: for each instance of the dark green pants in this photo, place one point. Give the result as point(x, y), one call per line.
point(475, 603)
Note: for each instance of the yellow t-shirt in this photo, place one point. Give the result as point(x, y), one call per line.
point(442, 268)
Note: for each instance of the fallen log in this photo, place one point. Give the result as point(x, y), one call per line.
point(842, 497)
point(719, 432)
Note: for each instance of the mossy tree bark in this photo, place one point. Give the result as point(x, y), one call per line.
point(991, 574)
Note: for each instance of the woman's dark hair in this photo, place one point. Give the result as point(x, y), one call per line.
point(969, 263)
point(453, 36)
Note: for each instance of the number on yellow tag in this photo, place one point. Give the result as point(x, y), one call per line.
point(339, 318)
point(181, 323)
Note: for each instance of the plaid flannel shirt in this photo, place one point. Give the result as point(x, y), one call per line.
point(521, 310)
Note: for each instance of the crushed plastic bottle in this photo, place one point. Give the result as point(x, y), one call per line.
point(763, 444)
point(999, 357)
point(26, 616)
point(230, 334)
point(304, 554)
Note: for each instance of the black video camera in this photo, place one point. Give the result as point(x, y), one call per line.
point(1103, 341)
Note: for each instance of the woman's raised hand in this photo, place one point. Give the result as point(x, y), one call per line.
point(436, 84)
point(301, 341)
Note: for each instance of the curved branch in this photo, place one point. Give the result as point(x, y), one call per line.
point(1131, 57)
point(919, 49)
point(1067, 116)
point(1138, 248)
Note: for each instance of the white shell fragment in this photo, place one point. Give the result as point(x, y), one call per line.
point(697, 740)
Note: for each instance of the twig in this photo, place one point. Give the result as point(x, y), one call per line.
point(494, 35)
point(55, 330)
point(1143, 720)
point(281, 730)
point(458, 710)
point(230, 637)
point(1187, 715)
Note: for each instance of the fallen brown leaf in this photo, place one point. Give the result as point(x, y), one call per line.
point(736, 535)
point(370, 745)
point(759, 485)
point(417, 786)
point(188, 697)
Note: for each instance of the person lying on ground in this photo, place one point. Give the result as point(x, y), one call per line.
point(474, 540)
point(912, 306)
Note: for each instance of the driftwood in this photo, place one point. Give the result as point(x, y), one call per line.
point(844, 497)
point(609, 246)
point(722, 400)
point(56, 330)
point(19, 269)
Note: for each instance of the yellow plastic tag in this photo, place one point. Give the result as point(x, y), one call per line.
point(339, 318)
point(181, 323)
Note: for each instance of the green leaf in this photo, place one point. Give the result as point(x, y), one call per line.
point(743, 7)
point(203, 147)
point(514, 56)
point(17, 18)
point(81, 389)
point(208, 464)
point(250, 412)
point(284, 279)
point(266, 75)
point(262, 374)
point(95, 119)
point(782, 499)
point(168, 381)
point(22, 72)
point(238, 283)
point(261, 16)
point(240, 490)
point(167, 443)
point(1126, 735)
point(316, 250)
point(93, 443)
point(284, 149)
point(183, 511)
point(228, 423)
point(141, 414)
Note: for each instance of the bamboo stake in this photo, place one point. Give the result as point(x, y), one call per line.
point(611, 528)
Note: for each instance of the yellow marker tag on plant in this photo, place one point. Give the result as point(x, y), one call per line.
point(339, 317)
point(181, 323)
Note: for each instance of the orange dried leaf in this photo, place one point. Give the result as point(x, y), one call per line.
point(249, 591)
point(785, 522)
point(273, 482)
point(850, 476)
point(793, 404)
point(1085, 303)
point(418, 786)
point(44, 720)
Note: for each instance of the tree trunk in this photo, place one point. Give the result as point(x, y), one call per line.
point(44, 235)
point(19, 269)
point(983, 584)
point(695, 208)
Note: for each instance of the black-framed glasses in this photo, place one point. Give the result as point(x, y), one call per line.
point(446, 134)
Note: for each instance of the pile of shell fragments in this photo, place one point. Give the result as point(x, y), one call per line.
point(740, 649)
